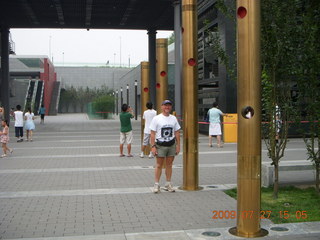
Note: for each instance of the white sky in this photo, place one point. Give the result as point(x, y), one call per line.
point(82, 46)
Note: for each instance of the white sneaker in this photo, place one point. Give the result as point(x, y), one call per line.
point(169, 188)
point(141, 155)
point(3, 155)
point(156, 188)
point(150, 155)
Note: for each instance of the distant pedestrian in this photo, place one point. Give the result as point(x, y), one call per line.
point(18, 123)
point(165, 141)
point(12, 114)
point(42, 112)
point(4, 138)
point(126, 129)
point(1, 114)
point(29, 125)
point(148, 115)
point(214, 115)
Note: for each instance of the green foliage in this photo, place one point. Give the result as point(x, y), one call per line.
point(279, 64)
point(80, 97)
point(308, 71)
point(293, 200)
point(214, 41)
point(103, 106)
point(171, 39)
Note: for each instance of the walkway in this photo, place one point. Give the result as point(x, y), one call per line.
point(70, 184)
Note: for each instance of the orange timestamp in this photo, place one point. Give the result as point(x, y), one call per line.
point(263, 214)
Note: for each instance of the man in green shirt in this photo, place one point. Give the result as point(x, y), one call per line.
point(126, 128)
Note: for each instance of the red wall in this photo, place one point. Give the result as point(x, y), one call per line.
point(49, 77)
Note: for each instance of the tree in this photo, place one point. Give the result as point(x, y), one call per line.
point(171, 39)
point(309, 78)
point(278, 54)
point(103, 104)
point(82, 98)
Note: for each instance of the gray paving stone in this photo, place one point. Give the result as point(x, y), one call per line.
point(69, 181)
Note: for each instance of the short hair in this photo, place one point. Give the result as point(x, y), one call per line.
point(124, 107)
point(215, 104)
point(18, 107)
point(149, 105)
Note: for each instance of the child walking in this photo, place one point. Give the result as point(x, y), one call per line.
point(4, 138)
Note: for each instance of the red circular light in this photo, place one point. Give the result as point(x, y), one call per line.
point(242, 12)
point(146, 89)
point(158, 85)
point(192, 62)
point(163, 74)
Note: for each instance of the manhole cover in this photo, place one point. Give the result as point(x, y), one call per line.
point(279, 229)
point(212, 186)
point(211, 234)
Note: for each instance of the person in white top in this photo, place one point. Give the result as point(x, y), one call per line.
point(29, 126)
point(165, 141)
point(18, 123)
point(148, 115)
point(214, 115)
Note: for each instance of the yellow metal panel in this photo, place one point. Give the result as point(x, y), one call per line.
point(230, 128)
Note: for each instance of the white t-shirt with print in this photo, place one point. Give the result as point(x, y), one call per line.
point(165, 127)
point(148, 115)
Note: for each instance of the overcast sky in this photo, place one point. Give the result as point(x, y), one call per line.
point(82, 46)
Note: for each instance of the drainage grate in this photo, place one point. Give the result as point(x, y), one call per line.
point(211, 234)
point(212, 186)
point(279, 229)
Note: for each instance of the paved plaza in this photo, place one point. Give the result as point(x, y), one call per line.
point(71, 184)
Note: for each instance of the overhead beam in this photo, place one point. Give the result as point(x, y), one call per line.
point(128, 12)
point(59, 9)
point(88, 12)
point(29, 12)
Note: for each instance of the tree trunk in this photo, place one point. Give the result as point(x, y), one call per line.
point(276, 181)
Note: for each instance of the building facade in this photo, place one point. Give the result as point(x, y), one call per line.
point(32, 82)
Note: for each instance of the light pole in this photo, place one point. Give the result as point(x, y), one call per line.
point(129, 60)
point(113, 110)
point(121, 96)
point(136, 99)
point(128, 94)
point(120, 51)
point(117, 107)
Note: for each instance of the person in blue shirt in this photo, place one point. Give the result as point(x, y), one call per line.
point(42, 112)
point(214, 115)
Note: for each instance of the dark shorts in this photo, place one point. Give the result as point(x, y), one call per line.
point(19, 131)
point(42, 116)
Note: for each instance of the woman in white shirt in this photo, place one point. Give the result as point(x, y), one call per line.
point(29, 126)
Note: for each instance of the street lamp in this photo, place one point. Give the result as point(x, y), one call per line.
point(128, 94)
point(121, 96)
point(117, 107)
point(136, 99)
